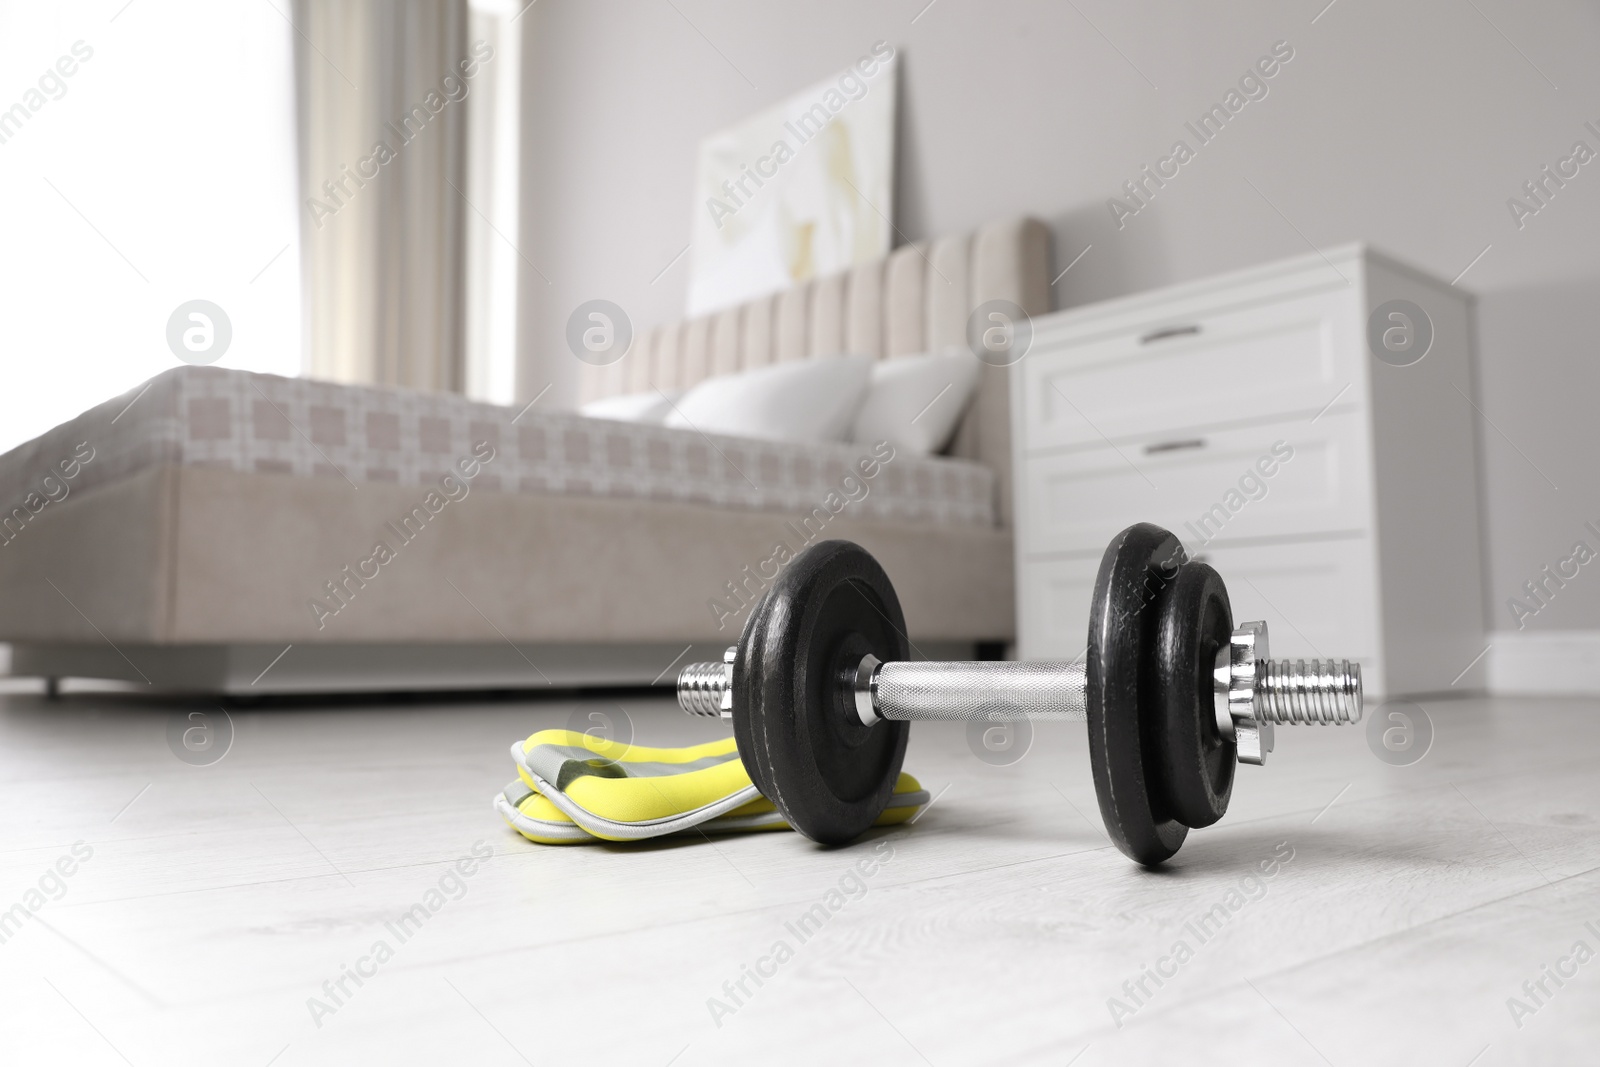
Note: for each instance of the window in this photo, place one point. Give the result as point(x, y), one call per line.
point(493, 144)
point(160, 170)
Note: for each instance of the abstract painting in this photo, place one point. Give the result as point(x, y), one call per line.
point(802, 190)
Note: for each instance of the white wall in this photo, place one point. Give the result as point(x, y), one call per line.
point(1406, 124)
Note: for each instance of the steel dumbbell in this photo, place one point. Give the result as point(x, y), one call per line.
point(820, 691)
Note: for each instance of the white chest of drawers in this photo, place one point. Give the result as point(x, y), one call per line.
point(1334, 492)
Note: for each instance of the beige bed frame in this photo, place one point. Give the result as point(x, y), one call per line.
point(194, 578)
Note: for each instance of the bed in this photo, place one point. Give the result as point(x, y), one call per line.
point(221, 531)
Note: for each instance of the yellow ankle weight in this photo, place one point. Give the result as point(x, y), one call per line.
point(573, 787)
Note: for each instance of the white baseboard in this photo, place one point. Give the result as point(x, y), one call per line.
point(1552, 661)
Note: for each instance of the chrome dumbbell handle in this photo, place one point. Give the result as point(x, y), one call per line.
point(1252, 693)
point(910, 691)
point(997, 691)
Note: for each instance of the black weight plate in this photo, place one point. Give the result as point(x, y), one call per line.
point(749, 638)
point(1197, 761)
point(830, 775)
point(1124, 708)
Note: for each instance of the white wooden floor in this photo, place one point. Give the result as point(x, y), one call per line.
point(218, 900)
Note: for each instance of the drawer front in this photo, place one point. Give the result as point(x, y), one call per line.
point(1213, 486)
point(1194, 370)
point(1317, 597)
point(1053, 607)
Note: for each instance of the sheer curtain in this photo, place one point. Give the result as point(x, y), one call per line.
point(382, 92)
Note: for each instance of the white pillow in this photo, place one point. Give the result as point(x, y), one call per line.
point(807, 401)
point(651, 407)
point(914, 402)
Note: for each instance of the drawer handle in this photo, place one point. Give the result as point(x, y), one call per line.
point(1168, 332)
point(1174, 446)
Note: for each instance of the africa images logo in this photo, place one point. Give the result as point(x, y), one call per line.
point(1252, 85)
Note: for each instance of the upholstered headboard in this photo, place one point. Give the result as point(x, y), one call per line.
point(917, 299)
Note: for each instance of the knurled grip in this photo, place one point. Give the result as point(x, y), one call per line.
point(1000, 690)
